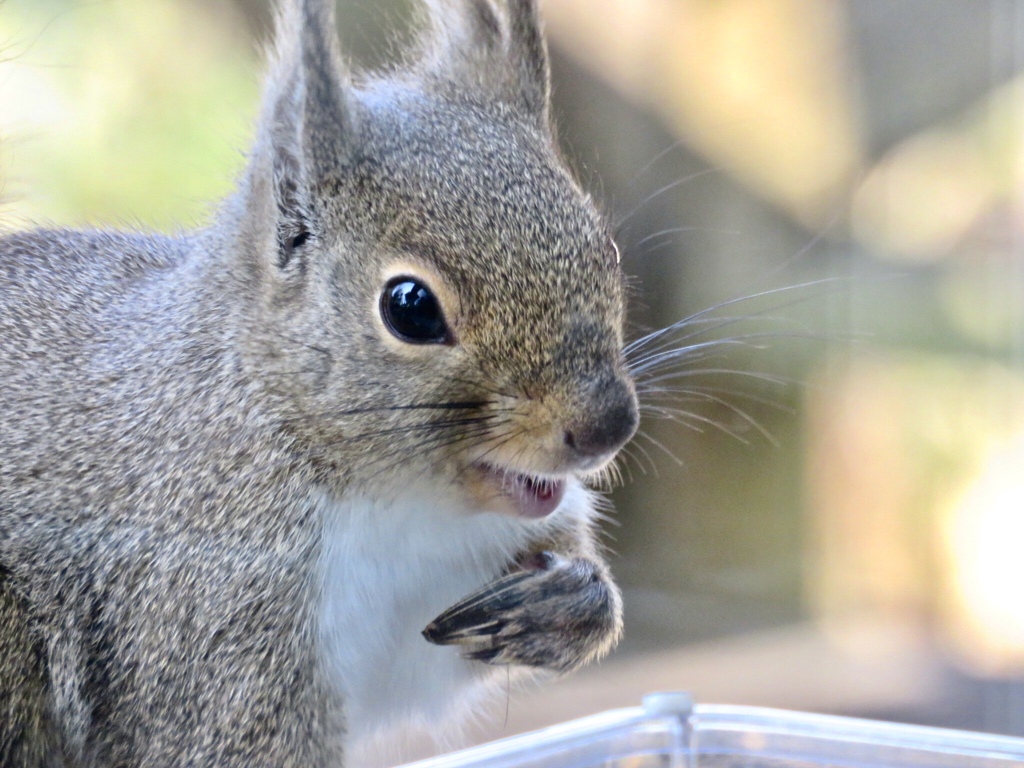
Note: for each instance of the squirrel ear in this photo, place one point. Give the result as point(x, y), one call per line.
point(304, 135)
point(493, 44)
point(530, 55)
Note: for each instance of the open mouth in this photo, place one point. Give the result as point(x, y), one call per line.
point(531, 496)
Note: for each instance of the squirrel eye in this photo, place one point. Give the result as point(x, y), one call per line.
point(412, 313)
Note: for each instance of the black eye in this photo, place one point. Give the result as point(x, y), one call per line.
point(412, 313)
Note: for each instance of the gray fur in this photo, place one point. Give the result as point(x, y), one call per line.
point(173, 406)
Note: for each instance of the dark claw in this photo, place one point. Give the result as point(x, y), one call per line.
point(473, 617)
point(556, 616)
point(450, 633)
point(486, 655)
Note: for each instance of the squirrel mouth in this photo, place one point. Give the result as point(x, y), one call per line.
point(531, 496)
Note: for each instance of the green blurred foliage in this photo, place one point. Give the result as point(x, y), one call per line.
point(120, 111)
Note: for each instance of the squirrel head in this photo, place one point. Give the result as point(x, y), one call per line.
point(428, 288)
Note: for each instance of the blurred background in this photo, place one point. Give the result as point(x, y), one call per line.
point(832, 518)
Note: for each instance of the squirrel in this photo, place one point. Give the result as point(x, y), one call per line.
point(275, 488)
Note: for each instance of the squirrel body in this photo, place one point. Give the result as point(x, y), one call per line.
point(241, 469)
point(441, 552)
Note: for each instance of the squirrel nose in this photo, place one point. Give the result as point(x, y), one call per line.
point(610, 419)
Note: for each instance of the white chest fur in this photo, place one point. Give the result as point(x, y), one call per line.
point(389, 567)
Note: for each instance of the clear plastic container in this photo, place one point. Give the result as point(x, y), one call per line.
point(669, 732)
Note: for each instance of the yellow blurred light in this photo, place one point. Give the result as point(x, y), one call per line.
point(921, 199)
point(932, 191)
point(984, 542)
point(757, 87)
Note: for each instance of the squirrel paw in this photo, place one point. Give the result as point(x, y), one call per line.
point(557, 615)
